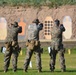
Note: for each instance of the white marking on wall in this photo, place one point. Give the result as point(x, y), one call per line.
point(3, 28)
point(67, 22)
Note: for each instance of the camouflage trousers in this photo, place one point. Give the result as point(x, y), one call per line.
point(12, 51)
point(61, 59)
point(29, 54)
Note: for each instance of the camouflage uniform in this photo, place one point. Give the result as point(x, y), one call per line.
point(57, 46)
point(33, 35)
point(12, 47)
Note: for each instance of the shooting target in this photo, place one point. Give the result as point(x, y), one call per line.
point(47, 27)
point(3, 28)
point(67, 22)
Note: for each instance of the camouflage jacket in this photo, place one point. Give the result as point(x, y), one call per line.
point(56, 35)
point(33, 32)
point(12, 34)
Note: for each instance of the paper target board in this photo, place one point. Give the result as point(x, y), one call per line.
point(47, 27)
point(22, 23)
point(67, 22)
point(3, 28)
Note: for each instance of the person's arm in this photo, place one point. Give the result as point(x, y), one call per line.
point(62, 28)
point(40, 26)
point(26, 34)
point(19, 29)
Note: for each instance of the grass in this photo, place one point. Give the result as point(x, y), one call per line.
point(70, 64)
point(37, 3)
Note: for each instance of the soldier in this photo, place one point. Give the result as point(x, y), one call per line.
point(33, 44)
point(12, 47)
point(57, 46)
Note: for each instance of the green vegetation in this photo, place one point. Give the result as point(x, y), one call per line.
point(70, 64)
point(37, 3)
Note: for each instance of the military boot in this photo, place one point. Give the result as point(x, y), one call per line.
point(25, 70)
point(14, 70)
point(39, 70)
point(5, 70)
point(63, 69)
point(52, 70)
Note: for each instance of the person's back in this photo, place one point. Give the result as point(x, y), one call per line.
point(55, 33)
point(55, 36)
point(13, 31)
point(9, 35)
point(33, 32)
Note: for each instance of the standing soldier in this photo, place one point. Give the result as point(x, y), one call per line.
point(57, 46)
point(33, 44)
point(12, 47)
